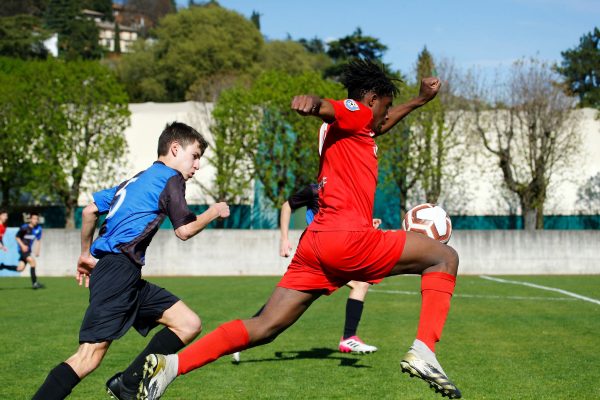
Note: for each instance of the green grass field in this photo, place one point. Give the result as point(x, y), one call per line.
point(501, 341)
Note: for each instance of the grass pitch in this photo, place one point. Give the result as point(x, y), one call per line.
point(501, 341)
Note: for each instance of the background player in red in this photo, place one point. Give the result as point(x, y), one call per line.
point(341, 244)
point(3, 220)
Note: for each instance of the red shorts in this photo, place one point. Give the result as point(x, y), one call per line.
point(326, 261)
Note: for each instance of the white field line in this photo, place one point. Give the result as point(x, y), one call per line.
point(476, 296)
point(533, 285)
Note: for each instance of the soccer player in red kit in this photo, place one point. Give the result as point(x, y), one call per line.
point(341, 243)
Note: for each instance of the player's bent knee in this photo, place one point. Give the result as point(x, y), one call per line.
point(451, 261)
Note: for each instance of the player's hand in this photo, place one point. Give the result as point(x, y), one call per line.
point(306, 105)
point(24, 249)
point(85, 265)
point(222, 209)
point(285, 248)
point(430, 87)
point(376, 223)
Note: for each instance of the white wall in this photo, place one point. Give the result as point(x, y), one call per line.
point(255, 252)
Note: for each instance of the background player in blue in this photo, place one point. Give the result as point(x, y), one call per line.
point(29, 238)
point(119, 298)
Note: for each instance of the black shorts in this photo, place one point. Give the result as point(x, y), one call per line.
point(23, 256)
point(120, 299)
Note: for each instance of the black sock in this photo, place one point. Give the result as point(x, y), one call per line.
point(259, 311)
point(164, 342)
point(33, 277)
point(59, 383)
point(354, 309)
point(8, 267)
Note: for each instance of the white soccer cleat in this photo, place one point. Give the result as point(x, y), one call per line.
point(421, 362)
point(159, 372)
point(235, 357)
point(354, 345)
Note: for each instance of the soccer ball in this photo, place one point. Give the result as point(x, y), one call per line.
point(430, 220)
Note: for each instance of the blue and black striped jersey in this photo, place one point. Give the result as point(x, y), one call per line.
point(137, 207)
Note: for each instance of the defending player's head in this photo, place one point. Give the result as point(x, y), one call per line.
point(180, 147)
point(367, 82)
point(3, 216)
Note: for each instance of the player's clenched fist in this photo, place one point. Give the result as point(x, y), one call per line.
point(222, 209)
point(430, 86)
point(306, 104)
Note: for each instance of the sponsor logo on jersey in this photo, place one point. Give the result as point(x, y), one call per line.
point(351, 105)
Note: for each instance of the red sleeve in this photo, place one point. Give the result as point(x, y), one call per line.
point(351, 115)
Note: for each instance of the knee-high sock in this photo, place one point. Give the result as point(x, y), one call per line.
point(164, 342)
point(226, 339)
point(33, 276)
point(436, 291)
point(8, 267)
point(58, 384)
point(354, 309)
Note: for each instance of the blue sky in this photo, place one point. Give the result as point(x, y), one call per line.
point(486, 34)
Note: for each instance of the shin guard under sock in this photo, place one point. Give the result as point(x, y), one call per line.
point(226, 339)
point(436, 292)
point(58, 384)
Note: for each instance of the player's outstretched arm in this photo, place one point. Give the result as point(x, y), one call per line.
point(285, 248)
point(217, 210)
point(85, 263)
point(306, 105)
point(429, 88)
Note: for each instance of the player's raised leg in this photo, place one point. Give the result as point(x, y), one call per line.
point(283, 309)
point(438, 265)
point(350, 342)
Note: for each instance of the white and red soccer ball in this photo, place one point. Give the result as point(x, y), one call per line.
point(430, 220)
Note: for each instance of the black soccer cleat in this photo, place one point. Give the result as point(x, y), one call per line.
point(116, 389)
point(37, 285)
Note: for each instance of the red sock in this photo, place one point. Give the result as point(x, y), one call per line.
point(226, 339)
point(436, 291)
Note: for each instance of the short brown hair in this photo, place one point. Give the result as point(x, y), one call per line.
point(181, 133)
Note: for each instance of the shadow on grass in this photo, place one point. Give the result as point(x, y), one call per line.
point(314, 353)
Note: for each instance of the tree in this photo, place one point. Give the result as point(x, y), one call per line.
point(291, 57)
point(80, 119)
point(22, 36)
point(581, 68)
point(11, 8)
point(255, 18)
point(17, 130)
point(117, 49)
point(352, 47)
point(190, 46)
point(280, 146)
point(588, 196)
point(77, 36)
point(530, 128)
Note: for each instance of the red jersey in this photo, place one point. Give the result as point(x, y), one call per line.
point(347, 170)
point(2, 232)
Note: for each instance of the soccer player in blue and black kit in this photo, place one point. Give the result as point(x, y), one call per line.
point(119, 297)
point(29, 239)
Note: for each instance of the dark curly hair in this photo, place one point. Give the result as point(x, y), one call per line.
point(363, 76)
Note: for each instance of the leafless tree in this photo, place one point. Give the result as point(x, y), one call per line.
point(526, 121)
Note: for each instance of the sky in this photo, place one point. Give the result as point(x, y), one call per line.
point(484, 34)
